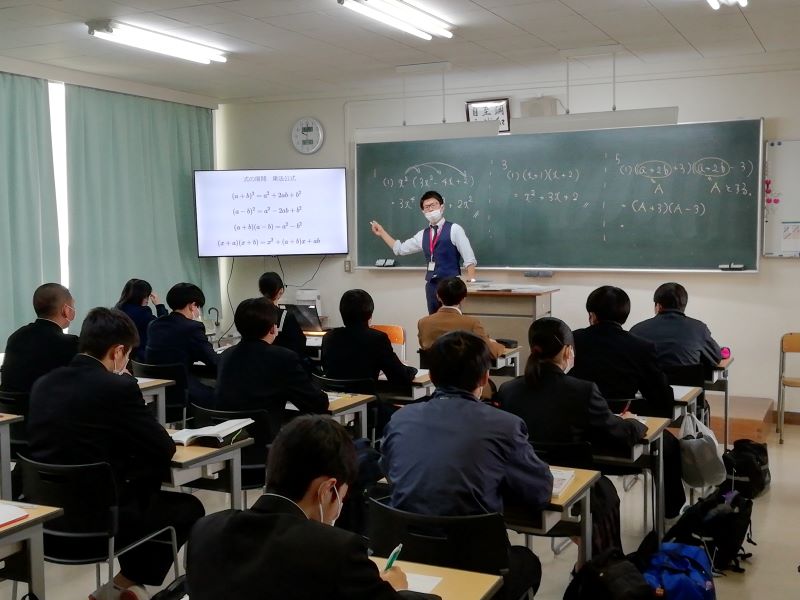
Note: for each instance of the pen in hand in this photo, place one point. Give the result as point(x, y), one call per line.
point(393, 557)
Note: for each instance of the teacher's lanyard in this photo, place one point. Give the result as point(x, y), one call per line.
point(433, 240)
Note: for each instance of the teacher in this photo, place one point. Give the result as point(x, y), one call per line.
point(444, 244)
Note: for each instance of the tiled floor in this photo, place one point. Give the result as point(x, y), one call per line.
point(771, 574)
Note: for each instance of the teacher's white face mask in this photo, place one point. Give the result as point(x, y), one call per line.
point(434, 216)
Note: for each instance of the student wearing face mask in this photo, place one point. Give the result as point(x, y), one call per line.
point(558, 408)
point(180, 337)
point(444, 244)
point(93, 411)
point(284, 547)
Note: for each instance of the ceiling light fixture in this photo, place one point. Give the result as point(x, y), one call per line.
point(145, 39)
point(715, 4)
point(401, 15)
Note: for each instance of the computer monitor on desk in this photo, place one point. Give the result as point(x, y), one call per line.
point(306, 315)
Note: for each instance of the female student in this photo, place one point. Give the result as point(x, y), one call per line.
point(290, 335)
point(561, 409)
point(133, 301)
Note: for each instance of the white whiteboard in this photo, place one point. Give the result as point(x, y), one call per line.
point(782, 198)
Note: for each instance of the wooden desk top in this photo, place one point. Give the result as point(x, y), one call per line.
point(424, 379)
point(655, 427)
point(724, 364)
point(8, 419)
point(189, 456)
point(36, 514)
point(686, 393)
point(347, 401)
point(145, 383)
point(455, 584)
point(583, 479)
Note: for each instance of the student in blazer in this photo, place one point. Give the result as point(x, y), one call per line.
point(41, 346)
point(451, 293)
point(679, 339)
point(356, 351)
point(93, 411)
point(285, 548)
point(179, 338)
point(133, 301)
point(619, 362)
point(257, 374)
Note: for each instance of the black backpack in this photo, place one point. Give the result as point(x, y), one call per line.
point(721, 523)
point(609, 576)
point(747, 465)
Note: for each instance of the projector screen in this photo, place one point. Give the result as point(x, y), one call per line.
point(271, 212)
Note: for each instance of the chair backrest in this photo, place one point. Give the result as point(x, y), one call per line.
point(87, 493)
point(576, 455)
point(473, 543)
point(177, 396)
point(16, 402)
point(424, 363)
point(352, 386)
point(790, 342)
point(19, 435)
point(397, 335)
point(263, 430)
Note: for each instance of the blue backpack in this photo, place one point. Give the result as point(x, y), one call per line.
point(681, 572)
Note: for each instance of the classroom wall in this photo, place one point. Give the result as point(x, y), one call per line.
point(747, 312)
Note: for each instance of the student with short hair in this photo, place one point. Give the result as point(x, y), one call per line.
point(679, 340)
point(257, 374)
point(454, 455)
point(284, 547)
point(41, 346)
point(620, 363)
point(290, 334)
point(133, 301)
point(451, 292)
point(561, 409)
point(356, 351)
point(180, 338)
point(93, 411)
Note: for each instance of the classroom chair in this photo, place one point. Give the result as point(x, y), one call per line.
point(85, 534)
point(254, 458)
point(16, 403)
point(397, 335)
point(790, 343)
point(375, 421)
point(177, 395)
point(477, 543)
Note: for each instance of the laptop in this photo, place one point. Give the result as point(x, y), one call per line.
point(307, 317)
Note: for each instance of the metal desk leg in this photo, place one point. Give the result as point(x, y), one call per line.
point(5, 461)
point(235, 465)
point(362, 420)
point(161, 405)
point(727, 408)
point(585, 549)
point(35, 551)
point(660, 489)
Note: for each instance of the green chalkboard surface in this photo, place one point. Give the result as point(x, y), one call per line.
point(670, 197)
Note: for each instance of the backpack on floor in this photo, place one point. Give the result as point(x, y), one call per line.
point(719, 523)
point(609, 576)
point(681, 572)
point(747, 466)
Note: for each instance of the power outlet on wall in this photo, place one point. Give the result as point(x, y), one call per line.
point(348, 266)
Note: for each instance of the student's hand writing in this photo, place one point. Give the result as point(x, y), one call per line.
point(154, 298)
point(396, 578)
point(377, 229)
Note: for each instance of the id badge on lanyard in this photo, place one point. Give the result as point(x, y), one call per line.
point(432, 262)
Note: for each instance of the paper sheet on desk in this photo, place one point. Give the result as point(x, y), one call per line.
point(144, 379)
point(422, 372)
point(424, 584)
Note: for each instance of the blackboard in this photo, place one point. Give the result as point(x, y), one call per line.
point(673, 197)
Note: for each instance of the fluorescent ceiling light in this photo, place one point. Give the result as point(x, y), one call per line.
point(145, 39)
point(715, 4)
point(401, 15)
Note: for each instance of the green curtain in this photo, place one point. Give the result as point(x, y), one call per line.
point(131, 210)
point(28, 218)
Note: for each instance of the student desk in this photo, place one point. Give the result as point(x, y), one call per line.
point(341, 405)
point(653, 435)
point(191, 463)
point(508, 363)
point(559, 509)
point(720, 382)
point(685, 399)
point(5, 453)
point(455, 584)
point(30, 531)
point(154, 390)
